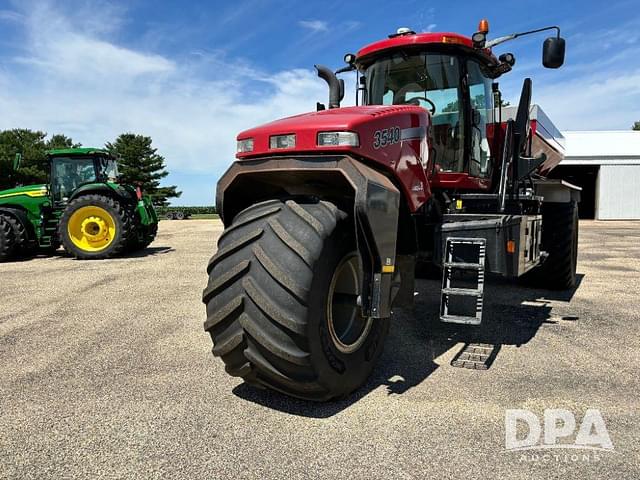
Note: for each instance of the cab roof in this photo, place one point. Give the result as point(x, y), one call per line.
point(77, 151)
point(416, 39)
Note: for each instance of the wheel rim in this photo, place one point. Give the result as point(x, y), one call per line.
point(347, 327)
point(91, 228)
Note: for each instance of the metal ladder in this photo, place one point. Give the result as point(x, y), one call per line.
point(462, 254)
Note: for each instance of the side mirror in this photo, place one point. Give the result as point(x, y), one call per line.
point(16, 161)
point(553, 52)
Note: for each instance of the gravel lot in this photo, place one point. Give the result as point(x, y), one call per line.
point(106, 372)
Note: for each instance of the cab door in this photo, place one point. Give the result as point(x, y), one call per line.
point(481, 120)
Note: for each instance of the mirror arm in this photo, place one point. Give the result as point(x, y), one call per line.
point(499, 40)
point(348, 68)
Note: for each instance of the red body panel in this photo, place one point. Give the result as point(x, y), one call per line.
point(417, 39)
point(405, 160)
point(440, 38)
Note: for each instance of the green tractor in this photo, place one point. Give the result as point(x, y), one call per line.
point(83, 208)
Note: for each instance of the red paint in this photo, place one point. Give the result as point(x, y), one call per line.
point(407, 159)
point(407, 162)
point(440, 38)
point(417, 39)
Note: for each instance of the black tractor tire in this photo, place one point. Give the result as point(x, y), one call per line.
point(560, 241)
point(23, 246)
point(179, 215)
point(169, 216)
point(121, 216)
point(151, 234)
point(137, 244)
point(7, 240)
point(267, 301)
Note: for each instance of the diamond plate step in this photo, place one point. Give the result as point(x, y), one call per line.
point(476, 356)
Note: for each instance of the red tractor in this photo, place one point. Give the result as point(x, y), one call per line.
point(328, 215)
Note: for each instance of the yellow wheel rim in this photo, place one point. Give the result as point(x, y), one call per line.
point(91, 228)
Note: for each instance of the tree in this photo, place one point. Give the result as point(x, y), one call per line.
point(61, 141)
point(636, 126)
point(33, 146)
point(139, 163)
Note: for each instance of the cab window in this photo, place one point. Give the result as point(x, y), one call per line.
point(431, 80)
point(481, 100)
point(69, 174)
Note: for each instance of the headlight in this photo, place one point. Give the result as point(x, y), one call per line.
point(245, 145)
point(338, 139)
point(282, 141)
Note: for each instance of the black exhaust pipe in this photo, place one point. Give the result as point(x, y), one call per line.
point(336, 87)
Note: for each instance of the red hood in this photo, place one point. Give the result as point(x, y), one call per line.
point(307, 125)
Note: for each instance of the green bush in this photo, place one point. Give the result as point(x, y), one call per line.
point(187, 210)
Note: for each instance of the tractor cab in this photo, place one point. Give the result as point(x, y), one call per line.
point(453, 83)
point(73, 168)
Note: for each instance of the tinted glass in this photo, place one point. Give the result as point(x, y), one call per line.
point(429, 80)
point(482, 116)
point(69, 174)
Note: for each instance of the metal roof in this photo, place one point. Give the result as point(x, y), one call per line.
point(603, 146)
point(78, 151)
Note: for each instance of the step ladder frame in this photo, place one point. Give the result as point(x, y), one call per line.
point(449, 266)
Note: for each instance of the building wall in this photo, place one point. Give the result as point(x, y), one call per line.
point(618, 192)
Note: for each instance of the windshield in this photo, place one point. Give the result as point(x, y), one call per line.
point(108, 169)
point(69, 174)
point(431, 80)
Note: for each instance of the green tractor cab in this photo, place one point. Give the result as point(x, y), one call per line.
point(83, 207)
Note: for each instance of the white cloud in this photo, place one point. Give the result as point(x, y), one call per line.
point(10, 16)
point(78, 83)
point(316, 26)
point(592, 102)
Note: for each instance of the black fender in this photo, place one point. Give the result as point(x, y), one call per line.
point(102, 189)
point(373, 198)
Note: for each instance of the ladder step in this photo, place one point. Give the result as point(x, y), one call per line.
point(460, 319)
point(469, 292)
point(471, 254)
point(464, 266)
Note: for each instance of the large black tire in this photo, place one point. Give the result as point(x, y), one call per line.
point(560, 241)
point(148, 233)
point(23, 246)
point(7, 240)
point(267, 308)
point(122, 217)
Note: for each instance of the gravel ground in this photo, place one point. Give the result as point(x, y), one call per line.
point(107, 373)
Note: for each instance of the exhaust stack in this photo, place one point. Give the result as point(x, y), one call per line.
point(336, 87)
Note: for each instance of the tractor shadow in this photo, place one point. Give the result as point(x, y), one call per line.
point(149, 252)
point(60, 254)
point(513, 314)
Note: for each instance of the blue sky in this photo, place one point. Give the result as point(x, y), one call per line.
point(193, 74)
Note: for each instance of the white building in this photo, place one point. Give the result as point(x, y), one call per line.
point(606, 164)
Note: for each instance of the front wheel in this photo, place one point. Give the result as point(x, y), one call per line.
point(282, 301)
